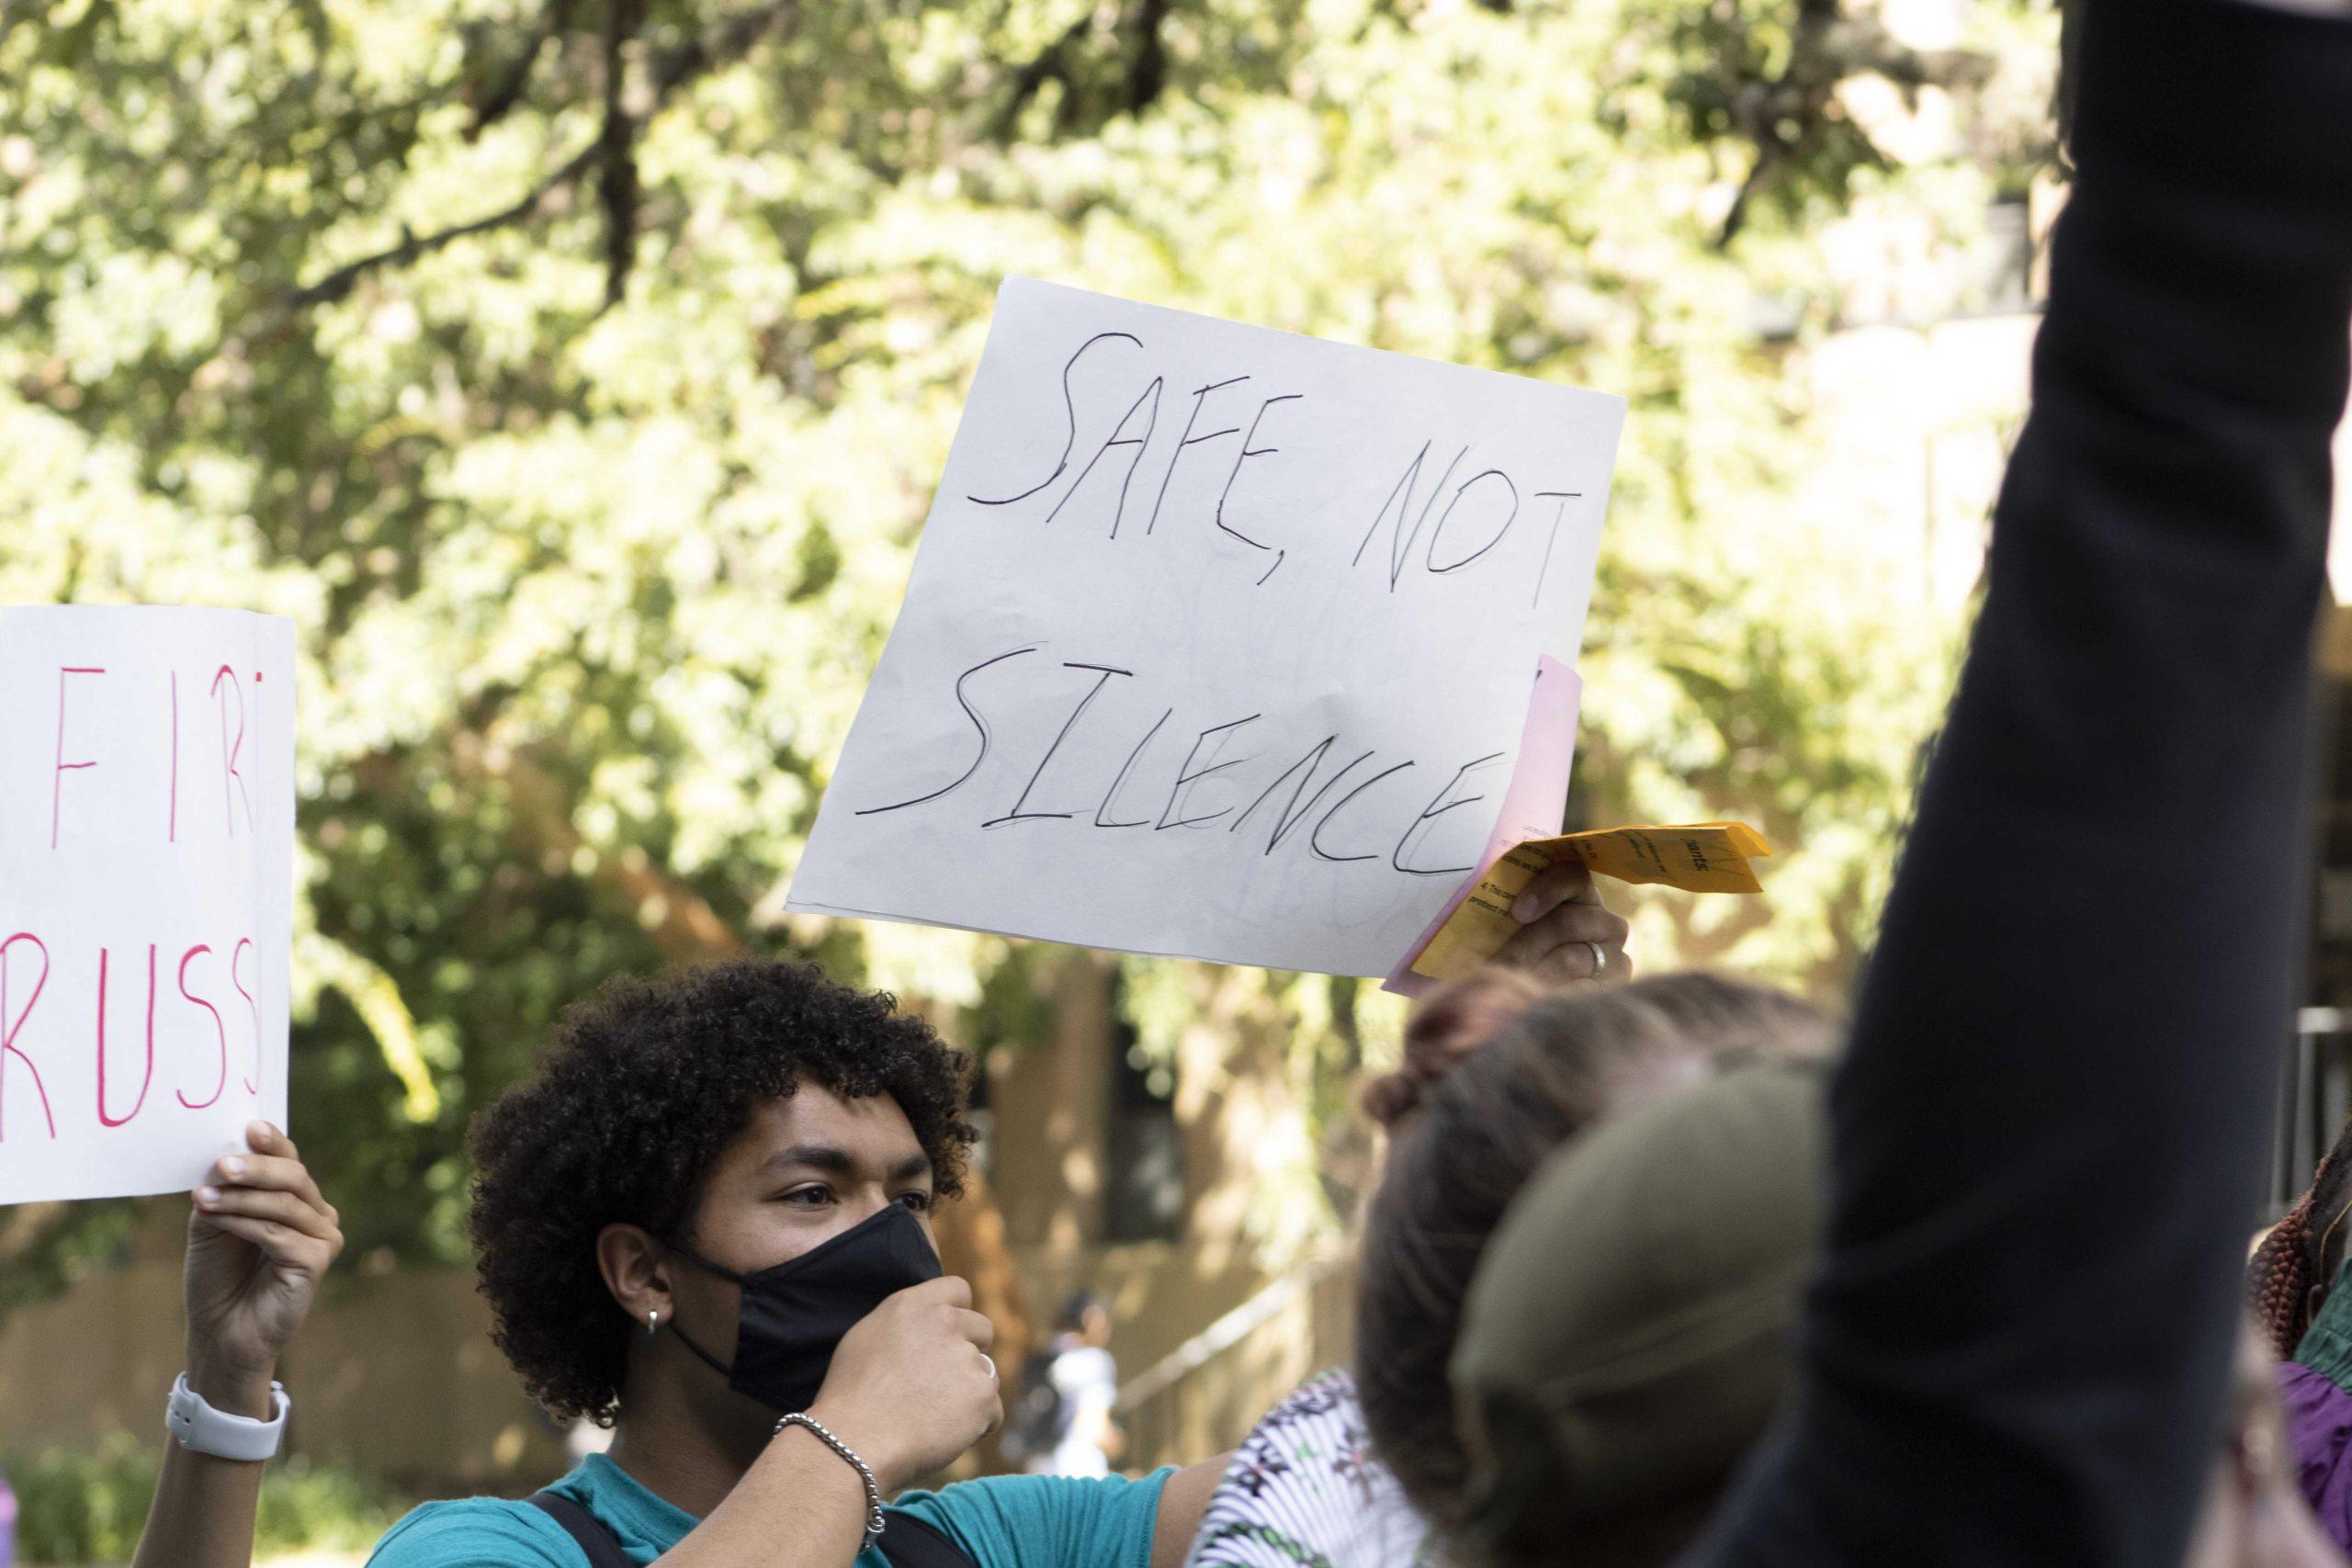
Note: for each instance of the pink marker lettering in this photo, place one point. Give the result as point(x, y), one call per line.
point(252, 1006)
point(220, 1029)
point(57, 779)
point(8, 1031)
point(230, 750)
point(149, 1077)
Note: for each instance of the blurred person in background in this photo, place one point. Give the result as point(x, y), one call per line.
point(1062, 1425)
point(2288, 1279)
point(2296, 1289)
point(2256, 1515)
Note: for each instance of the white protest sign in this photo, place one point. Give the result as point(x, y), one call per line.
point(146, 893)
point(1219, 641)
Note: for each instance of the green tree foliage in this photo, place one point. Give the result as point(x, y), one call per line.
point(89, 1505)
point(575, 372)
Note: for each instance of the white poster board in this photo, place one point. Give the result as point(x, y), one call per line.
point(1219, 641)
point(146, 893)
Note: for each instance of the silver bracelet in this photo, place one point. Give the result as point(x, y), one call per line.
point(873, 1487)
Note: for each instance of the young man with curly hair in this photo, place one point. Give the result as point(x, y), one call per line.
point(705, 1224)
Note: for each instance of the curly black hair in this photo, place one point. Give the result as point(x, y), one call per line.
point(642, 1089)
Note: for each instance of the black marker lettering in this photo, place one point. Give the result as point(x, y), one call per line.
point(1247, 452)
point(1200, 395)
point(1113, 792)
point(1288, 817)
point(1186, 775)
point(1437, 533)
point(1564, 496)
point(1314, 839)
point(1438, 806)
point(1017, 813)
point(1151, 424)
point(1069, 407)
point(1400, 543)
point(979, 723)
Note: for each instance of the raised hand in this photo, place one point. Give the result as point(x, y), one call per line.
point(259, 1241)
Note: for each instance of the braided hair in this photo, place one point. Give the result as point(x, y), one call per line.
point(2302, 1250)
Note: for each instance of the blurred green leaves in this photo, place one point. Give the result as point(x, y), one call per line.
point(309, 306)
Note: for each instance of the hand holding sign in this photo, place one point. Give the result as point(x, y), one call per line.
point(146, 878)
point(1566, 933)
point(259, 1239)
point(1490, 923)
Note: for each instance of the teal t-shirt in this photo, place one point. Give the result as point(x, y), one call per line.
point(1006, 1521)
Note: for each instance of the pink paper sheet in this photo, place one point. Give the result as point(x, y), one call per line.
point(1534, 806)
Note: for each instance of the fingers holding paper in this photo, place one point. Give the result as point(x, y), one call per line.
point(260, 1237)
point(1565, 933)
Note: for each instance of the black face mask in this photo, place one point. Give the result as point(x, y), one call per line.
point(795, 1314)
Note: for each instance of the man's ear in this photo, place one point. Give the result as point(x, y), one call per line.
point(637, 1271)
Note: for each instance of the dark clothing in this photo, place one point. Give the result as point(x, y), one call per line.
point(2048, 1133)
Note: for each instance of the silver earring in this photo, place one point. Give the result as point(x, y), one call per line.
point(652, 1323)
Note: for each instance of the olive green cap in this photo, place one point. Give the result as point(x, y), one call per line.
point(1632, 1327)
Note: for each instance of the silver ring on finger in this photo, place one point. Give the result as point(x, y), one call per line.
point(1600, 958)
point(989, 1361)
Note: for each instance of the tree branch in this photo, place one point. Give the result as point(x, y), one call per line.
point(508, 92)
point(340, 282)
point(618, 185)
point(1148, 72)
point(677, 919)
point(1761, 174)
point(1052, 63)
point(1827, 49)
point(719, 46)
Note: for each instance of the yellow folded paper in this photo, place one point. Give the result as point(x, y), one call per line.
point(1705, 857)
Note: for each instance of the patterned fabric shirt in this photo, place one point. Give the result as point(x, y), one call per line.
point(1304, 1491)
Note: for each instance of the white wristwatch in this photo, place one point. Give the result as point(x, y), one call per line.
point(199, 1428)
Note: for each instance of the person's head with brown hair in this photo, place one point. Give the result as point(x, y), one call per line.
point(2287, 1279)
point(1452, 1022)
point(1498, 1078)
point(1632, 1329)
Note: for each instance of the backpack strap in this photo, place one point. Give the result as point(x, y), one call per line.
point(909, 1542)
point(603, 1549)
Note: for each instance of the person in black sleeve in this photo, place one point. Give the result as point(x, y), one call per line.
point(2047, 1135)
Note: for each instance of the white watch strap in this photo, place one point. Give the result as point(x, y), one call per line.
point(199, 1428)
